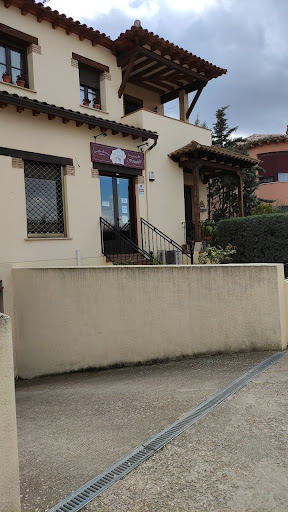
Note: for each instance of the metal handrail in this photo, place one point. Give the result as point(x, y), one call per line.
point(123, 238)
point(157, 240)
point(167, 238)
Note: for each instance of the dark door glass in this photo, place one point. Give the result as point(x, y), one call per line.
point(117, 209)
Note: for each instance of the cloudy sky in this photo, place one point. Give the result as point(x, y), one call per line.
point(248, 37)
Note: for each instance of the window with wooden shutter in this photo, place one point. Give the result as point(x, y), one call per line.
point(89, 84)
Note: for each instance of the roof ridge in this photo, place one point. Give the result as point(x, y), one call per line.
point(43, 12)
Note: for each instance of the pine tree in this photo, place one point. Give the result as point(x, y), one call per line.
point(197, 122)
point(222, 191)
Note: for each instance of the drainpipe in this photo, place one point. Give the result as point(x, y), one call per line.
point(154, 144)
point(78, 256)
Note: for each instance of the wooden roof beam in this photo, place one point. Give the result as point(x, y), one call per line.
point(160, 83)
point(144, 65)
point(194, 101)
point(194, 86)
point(127, 74)
point(173, 65)
point(157, 71)
point(147, 86)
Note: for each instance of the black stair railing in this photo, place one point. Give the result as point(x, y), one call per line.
point(161, 247)
point(119, 249)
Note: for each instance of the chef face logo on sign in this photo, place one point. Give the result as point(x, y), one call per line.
point(118, 156)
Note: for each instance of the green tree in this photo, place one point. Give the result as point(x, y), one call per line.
point(222, 191)
point(197, 122)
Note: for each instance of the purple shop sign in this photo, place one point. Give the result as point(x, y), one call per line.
point(116, 156)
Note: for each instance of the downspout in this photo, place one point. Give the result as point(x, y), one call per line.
point(146, 177)
point(154, 144)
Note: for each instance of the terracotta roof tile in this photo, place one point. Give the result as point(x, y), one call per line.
point(194, 146)
point(15, 99)
point(145, 37)
point(262, 138)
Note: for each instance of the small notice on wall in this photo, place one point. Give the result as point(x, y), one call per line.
point(124, 200)
point(124, 209)
point(141, 189)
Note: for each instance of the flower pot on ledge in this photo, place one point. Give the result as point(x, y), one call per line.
point(20, 83)
point(97, 106)
point(86, 103)
point(6, 78)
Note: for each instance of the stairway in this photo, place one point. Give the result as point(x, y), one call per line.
point(127, 259)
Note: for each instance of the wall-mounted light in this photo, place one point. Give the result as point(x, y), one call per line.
point(99, 135)
point(144, 144)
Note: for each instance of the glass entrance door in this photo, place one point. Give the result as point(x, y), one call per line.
point(117, 209)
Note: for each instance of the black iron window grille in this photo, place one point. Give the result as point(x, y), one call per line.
point(44, 199)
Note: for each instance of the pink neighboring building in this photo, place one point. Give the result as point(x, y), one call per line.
point(272, 150)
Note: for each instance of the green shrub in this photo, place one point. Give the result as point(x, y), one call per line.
point(258, 239)
point(216, 255)
point(263, 209)
point(282, 208)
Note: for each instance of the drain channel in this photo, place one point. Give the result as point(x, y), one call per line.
point(89, 491)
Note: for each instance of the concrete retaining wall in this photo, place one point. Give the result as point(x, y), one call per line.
point(73, 318)
point(9, 469)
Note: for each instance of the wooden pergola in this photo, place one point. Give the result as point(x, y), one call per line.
point(207, 162)
point(149, 61)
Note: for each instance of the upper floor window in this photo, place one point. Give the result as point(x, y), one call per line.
point(89, 85)
point(89, 76)
point(131, 104)
point(13, 61)
point(44, 199)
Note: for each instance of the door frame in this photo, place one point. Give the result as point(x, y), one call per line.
point(132, 200)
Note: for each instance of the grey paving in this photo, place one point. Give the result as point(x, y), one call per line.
point(72, 427)
point(233, 460)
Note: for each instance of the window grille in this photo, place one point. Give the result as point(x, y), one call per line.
point(44, 199)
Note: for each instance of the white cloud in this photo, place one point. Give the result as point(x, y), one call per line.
point(190, 5)
point(88, 9)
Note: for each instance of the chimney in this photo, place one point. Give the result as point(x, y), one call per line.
point(137, 24)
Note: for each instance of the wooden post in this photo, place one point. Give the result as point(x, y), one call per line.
point(183, 105)
point(196, 202)
point(240, 194)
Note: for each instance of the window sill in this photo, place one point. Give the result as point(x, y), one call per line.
point(17, 87)
point(40, 239)
point(95, 109)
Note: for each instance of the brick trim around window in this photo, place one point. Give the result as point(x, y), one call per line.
point(91, 63)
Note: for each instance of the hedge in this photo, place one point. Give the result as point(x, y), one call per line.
point(258, 239)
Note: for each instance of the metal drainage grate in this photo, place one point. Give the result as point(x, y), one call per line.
point(78, 499)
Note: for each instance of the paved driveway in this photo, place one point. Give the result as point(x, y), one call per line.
point(71, 427)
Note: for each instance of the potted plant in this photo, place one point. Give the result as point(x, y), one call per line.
point(20, 80)
point(6, 77)
point(207, 229)
point(86, 102)
point(96, 103)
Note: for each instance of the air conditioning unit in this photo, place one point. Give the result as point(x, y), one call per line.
point(173, 257)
